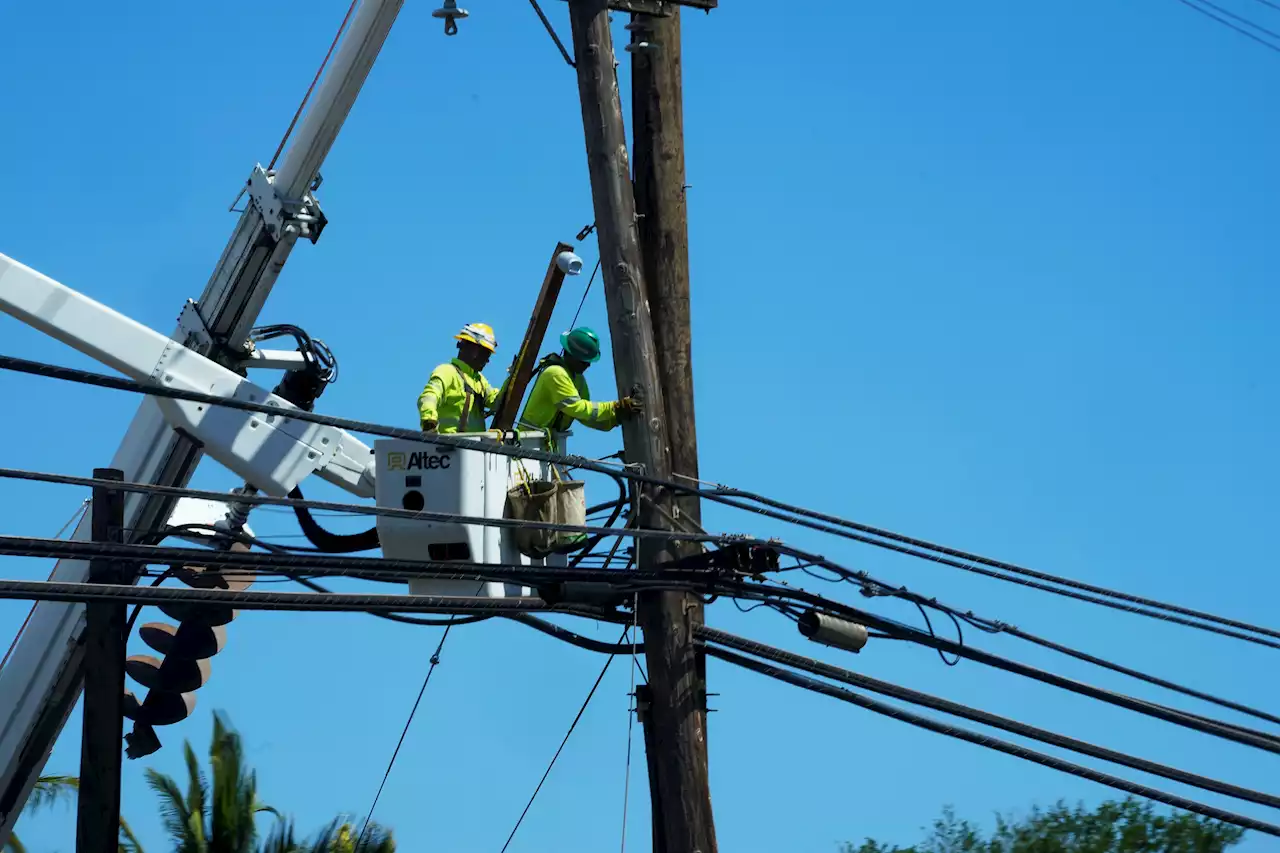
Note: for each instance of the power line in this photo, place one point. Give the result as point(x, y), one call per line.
point(1269, 3)
point(979, 559)
point(26, 621)
point(23, 546)
point(1196, 722)
point(1006, 747)
point(724, 495)
point(1240, 18)
point(957, 709)
point(435, 661)
point(1241, 30)
point(585, 293)
point(551, 31)
point(631, 712)
point(991, 626)
point(572, 726)
point(353, 509)
point(250, 599)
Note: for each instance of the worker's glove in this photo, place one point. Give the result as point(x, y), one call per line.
point(428, 426)
point(629, 406)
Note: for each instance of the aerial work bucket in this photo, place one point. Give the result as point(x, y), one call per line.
point(554, 501)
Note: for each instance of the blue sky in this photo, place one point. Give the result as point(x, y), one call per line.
point(997, 274)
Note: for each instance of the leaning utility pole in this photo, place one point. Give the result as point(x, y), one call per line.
point(657, 116)
point(675, 715)
point(98, 806)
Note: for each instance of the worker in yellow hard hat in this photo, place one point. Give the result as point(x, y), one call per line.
point(457, 397)
point(560, 395)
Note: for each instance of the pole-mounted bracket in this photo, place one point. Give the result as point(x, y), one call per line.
point(735, 557)
point(282, 216)
point(660, 8)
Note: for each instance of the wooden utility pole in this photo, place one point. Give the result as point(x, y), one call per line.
point(98, 809)
point(678, 736)
point(657, 115)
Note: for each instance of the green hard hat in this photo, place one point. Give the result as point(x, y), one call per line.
point(582, 343)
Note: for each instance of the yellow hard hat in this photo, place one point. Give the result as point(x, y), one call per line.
point(480, 334)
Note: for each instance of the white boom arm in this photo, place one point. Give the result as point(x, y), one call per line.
point(42, 679)
point(273, 453)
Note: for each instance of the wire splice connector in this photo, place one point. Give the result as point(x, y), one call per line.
point(832, 631)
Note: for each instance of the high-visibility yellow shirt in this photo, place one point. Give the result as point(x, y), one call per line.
point(559, 397)
point(457, 398)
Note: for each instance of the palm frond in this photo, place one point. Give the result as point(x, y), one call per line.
point(173, 812)
point(342, 836)
point(51, 789)
point(234, 795)
point(197, 797)
point(281, 839)
point(13, 845)
point(129, 842)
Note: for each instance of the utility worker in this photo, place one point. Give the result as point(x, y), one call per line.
point(457, 397)
point(560, 395)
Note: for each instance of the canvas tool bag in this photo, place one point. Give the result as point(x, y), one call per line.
point(554, 501)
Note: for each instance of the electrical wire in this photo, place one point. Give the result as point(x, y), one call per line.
point(1269, 3)
point(552, 32)
point(560, 749)
point(378, 511)
point(1195, 722)
point(435, 661)
point(527, 575)
point(1016, 750)
point(586, 291)
point(1241, 30)
point(337, 602)
point(631, 716)
point(992, 626)
point(84, 506)
point(1240, 18)
point(312, 87)
point(724, 495)
point(915, 697)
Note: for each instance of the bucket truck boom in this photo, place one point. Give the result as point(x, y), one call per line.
point(42, 679)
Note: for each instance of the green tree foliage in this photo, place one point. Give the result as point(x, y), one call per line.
point(50, 790)
point(1127, 826)
point(218, 813)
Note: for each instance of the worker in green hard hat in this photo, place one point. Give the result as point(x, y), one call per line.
point(560, 394)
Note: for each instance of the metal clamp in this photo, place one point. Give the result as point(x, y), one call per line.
point(282, 216)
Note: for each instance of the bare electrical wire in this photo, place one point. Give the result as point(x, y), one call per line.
point(560, 749)
point(435, 661)
point(1016, 750)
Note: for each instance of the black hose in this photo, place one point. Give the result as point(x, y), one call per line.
point(613, 517)
point(326, 541)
